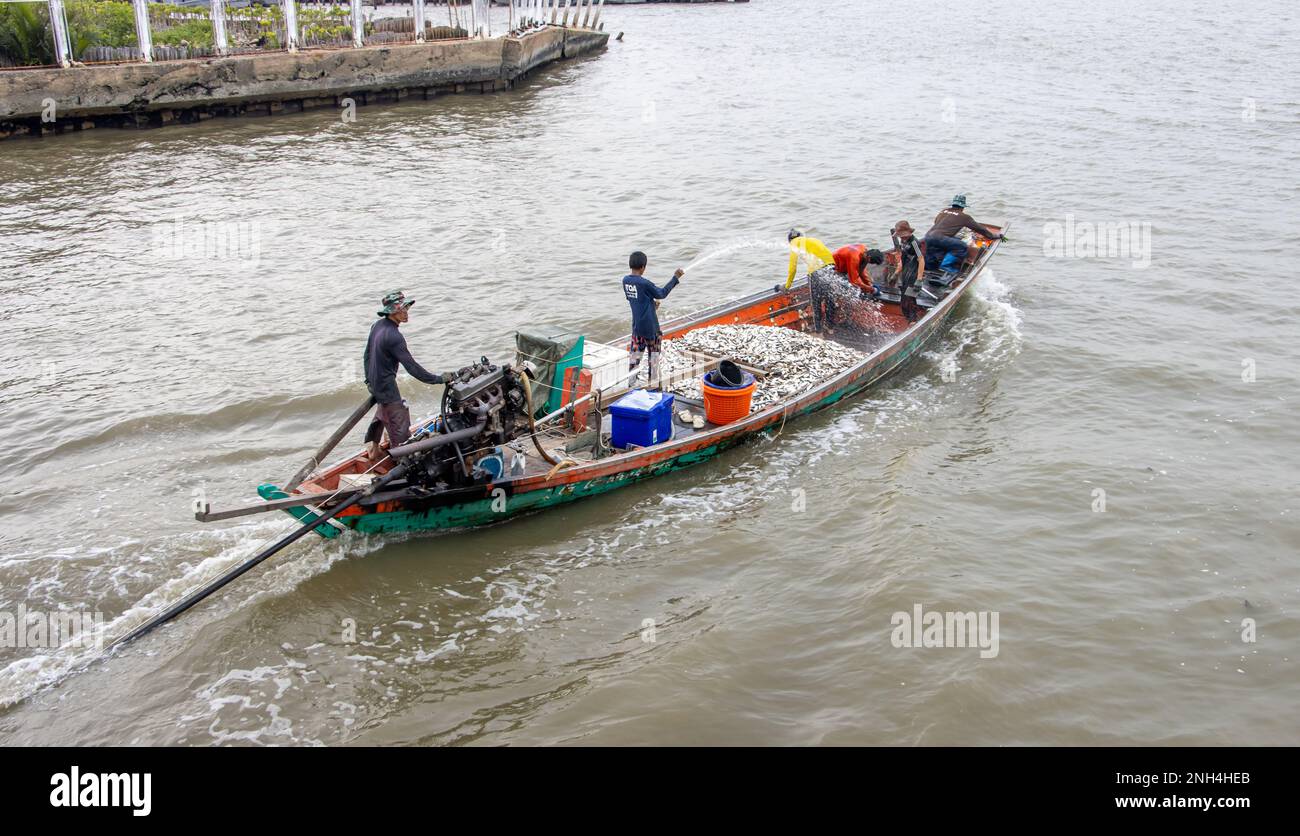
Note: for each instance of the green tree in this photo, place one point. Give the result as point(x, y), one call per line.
point(26, 39)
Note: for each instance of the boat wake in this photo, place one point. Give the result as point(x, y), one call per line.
point(976, 347)
point(22, 678)
point(989, 338)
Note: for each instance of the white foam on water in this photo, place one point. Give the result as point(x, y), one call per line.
point(421, 656)
point(24, 677)
point(243, 705)
point(993, 335)
point(514, 599)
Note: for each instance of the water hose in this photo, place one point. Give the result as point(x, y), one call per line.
point(532, 422)
point(560, 465)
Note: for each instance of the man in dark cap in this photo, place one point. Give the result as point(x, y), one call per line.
point(385, 350)
point(942, 239)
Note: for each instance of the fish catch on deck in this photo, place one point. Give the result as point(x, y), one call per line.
point(793, 361)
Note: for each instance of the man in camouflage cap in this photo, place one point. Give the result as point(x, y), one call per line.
point(385, 351)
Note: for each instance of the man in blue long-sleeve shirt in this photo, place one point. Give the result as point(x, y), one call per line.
point(643, 296)
point(385, 351)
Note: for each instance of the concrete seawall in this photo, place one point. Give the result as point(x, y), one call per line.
point(142, 95)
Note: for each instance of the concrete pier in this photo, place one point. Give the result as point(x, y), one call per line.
point(49, 101)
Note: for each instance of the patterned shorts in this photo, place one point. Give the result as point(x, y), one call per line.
point(639, 344)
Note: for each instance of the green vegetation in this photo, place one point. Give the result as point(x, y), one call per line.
point(329, 24)
point(25, 39)
point(99, 24)
point(196, 33)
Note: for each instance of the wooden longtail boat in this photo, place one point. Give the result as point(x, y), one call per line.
point(400, 506)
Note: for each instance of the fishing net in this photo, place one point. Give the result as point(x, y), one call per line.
point(846, 311)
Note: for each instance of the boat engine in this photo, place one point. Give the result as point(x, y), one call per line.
point(484, 406)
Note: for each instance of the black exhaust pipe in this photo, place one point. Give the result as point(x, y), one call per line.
point(438, 440)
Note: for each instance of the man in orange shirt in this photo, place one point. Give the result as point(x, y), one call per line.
point(854, 260)
point(852, 263)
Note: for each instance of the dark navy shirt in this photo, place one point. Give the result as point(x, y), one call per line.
point(385, 349)
point(641, 294)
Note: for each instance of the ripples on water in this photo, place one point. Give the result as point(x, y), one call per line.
point(965, 483)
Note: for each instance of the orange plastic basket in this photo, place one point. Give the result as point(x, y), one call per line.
point(722, 406)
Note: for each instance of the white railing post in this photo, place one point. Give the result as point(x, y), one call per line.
point(219, 40)
point(143, 34)
point(567, 3)
point(512, 15)
point(290, 24)
point(62, 44)
point(586, 15)
point(482, 21)
point(358, 25)
point(600, 4)
point(418, 6)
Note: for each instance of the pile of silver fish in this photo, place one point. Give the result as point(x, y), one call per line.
point(796, 361)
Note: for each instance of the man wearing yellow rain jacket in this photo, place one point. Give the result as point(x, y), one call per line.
point(814, 252)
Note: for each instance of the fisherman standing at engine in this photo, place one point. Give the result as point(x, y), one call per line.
point(385, 350)
point(643, 296)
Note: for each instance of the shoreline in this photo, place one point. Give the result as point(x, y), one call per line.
point(45, 102)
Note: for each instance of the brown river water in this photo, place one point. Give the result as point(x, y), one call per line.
point(1101, 450)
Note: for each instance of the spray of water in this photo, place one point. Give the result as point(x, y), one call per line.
point(738, 244)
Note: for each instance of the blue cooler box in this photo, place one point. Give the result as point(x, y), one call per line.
point(642, 418)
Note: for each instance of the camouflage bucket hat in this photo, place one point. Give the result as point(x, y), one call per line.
point(959, 200)
point(394, 301)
